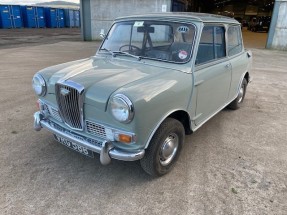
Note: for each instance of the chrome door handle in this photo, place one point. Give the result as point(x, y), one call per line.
point(228, 66)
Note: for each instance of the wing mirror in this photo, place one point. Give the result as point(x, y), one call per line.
point(102, 34)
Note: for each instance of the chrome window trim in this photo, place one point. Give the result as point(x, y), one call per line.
point(227, 41)
point(215, 60)
point(155, 59)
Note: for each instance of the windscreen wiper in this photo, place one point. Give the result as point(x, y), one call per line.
point(114, 53)
point(128, 54)
point(108, 50)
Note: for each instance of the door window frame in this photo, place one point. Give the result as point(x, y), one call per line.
point(215, 60)
point(227, 41)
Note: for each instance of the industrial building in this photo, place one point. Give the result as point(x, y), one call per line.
point(98, 15)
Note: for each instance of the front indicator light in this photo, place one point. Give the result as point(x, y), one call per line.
point(124, 138)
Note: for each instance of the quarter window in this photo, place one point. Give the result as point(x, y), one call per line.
point(212, 44)
point(234, 40)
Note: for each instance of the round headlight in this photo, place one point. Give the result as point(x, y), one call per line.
point(39, 85)
point(122, 108)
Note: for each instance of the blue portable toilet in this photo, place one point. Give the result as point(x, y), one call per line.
point(33, 17)
point(51, 17)
point(77, 18)
point(40, 17)
point(72, 18)
point(29, 18)
point(10, 16)
point(5, 17)
point(60, 18)
point(69, 18)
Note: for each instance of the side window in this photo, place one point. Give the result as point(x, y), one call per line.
point(211, 45)
point(234, 40)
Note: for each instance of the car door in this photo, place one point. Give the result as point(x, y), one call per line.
point(238, 58)
point(212, 73)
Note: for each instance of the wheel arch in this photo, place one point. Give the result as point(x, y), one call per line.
point(247, 77)
point(181, 115)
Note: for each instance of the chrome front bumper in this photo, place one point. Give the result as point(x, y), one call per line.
point(107, 151)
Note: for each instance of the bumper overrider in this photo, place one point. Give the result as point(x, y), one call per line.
point(106, 151)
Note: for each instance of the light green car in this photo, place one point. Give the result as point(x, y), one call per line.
point(154, 79)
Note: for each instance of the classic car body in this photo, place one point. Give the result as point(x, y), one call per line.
point(260, 23)
point(155, 78)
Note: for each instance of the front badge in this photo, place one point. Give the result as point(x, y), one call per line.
point(64, 92)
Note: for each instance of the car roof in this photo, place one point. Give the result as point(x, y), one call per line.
point(181, 16)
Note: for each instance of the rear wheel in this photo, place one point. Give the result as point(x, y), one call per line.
point(236, 103)
point(164, 148)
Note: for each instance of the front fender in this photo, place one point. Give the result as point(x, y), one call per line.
point(156, 99)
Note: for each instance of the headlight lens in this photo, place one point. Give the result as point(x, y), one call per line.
point(39, 85)
point(122, 108)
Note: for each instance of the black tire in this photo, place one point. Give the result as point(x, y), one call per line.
point(153, 162)
point(236, 103)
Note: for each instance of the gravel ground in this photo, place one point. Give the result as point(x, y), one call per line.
point(235, 164)
point(10, 38)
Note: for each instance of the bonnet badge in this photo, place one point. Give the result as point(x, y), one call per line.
point(64, 91)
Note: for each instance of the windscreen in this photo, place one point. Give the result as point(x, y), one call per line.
point(164, 41)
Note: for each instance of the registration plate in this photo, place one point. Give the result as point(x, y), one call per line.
point(74, 146)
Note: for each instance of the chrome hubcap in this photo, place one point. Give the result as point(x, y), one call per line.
point(240, 95)
point(168, 149)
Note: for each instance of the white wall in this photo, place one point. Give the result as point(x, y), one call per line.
point(103, 12)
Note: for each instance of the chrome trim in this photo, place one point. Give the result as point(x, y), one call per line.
point(37, 119)
point(95, 129)
point(104, 156)
point(74, 118)
point(158, 20)
point(106, 127)
point(42, 82)
point(114, 153)
point(130, 105)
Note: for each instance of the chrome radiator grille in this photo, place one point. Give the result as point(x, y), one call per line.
point(70, 104)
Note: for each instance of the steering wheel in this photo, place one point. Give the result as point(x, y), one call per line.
point(131, 49)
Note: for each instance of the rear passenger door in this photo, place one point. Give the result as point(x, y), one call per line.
point(212, 73)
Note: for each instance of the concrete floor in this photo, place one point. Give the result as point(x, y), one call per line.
point(235, 164)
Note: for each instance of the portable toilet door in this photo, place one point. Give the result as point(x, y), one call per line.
point(69, 18)
point(16, 16)
point(60, 18)
point(77, 18)
point(5, 17)
point(29, 17)
point(51, 17)
point(40, 17)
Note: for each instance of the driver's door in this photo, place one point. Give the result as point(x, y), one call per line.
point(212, 74)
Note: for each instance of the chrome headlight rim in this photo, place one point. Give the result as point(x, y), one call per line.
point(123, 98)
point(43, 85)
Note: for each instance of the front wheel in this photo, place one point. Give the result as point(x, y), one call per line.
point(164, 148)
point(236, 103)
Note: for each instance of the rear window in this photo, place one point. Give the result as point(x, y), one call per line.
point(234, 40)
